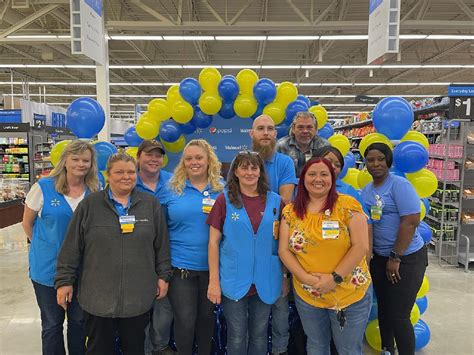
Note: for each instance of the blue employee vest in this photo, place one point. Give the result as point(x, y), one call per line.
point(247, 258)
point(49, 231)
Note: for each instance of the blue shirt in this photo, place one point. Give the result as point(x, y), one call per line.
point(160, 189)
point(347, 189)
point(399, 198)
point(187, 228)
point(280, 171)
point(122, 211)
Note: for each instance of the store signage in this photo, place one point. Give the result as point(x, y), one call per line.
point(10, 116)
point(461, 108)
point(14, 127)
point(362, 99)
point(59, 130)
point(39, 121)
point(87, 30)
point(384, 27)
point(461, 90)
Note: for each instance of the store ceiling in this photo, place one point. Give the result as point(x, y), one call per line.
point(265, 18)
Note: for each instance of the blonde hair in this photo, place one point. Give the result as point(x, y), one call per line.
point(178, 181)
point(59, 172)
point(120, 156)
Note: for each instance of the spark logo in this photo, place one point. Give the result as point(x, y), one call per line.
point(212, 130)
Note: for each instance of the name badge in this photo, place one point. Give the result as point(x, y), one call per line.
point(207, 204)
point(330, 229)
point(375, 212)
point(127, 223)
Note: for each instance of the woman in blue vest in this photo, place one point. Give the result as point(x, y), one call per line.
point(48, 209)
point(245, 272)
point(191, 193)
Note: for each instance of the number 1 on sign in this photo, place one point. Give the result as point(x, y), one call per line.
point(467, 103)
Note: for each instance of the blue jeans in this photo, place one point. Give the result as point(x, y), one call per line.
point(52, 319)
point(159, 329)
point(320, 323)
point(247, 322)
point(280, 325)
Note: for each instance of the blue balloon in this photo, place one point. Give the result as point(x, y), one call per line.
point(293, 108)
point(304, 99)
point(343, 172)
point(170, 130)
point(131, 137)
point(101, 180)
point(425, 232)
point(190, 90)
point(426, 202)
point(350, 160)
point(393, 117)
point(422, 334)
point(228, 88)
point(314, 103)
point(374, 312)
point(326, 131)
point(227, 110)
point(200, 119)
point(409, 157)
point(264, 91)
point(422, 304)
point(103, 152)
point(282, 130)
point(188, 127)
point(85, 117)
point(393, 170)
point(259, 111)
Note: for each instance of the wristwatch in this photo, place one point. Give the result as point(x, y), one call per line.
point(395, 256)
point(337, 278)
point(286, 275)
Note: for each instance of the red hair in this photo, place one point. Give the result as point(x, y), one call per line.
point(300, 204)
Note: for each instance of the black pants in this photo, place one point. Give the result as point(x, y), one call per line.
point(101, 333)
point(395, 301)
point(193, 312)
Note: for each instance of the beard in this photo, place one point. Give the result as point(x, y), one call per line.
point(265, 151)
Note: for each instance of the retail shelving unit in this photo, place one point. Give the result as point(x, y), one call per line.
point(355, 133)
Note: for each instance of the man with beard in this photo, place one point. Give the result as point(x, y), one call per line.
point(282, 179)
point(302, 141)
point(151, 179)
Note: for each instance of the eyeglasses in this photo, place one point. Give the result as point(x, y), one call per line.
point(249, 152)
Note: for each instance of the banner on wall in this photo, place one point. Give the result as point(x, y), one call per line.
point(384, 29)
point(227, 136)
point(87, 30)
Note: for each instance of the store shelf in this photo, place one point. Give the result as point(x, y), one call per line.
point(436, 108)
point(3, 153)
point(468, 197)
point(16, 145)
point(432, 132)
point(360, 162)
point(434, 199)
point(356, 138)
point(457, 160)
point(437, 220)
point(354, 125)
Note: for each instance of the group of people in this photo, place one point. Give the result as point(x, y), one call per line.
point(154, 249)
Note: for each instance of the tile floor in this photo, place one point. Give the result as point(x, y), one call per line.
point(450, 313)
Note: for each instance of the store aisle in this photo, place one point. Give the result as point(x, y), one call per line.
point(450, 313)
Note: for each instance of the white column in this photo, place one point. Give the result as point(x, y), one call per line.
point(103, 91)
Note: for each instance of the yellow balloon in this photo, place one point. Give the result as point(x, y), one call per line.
point(425, 287)
point(246, 78)
point(173, 95)
point(147, 128)
point(424, 182)
point(209, 79)
point(176, 146)
point(276, 111)
point(286, 93)
point(320, 113)
point(210, 102)
point(132, 151)
point(56, 151)
point(159, 109)
point(245, 105)
point(165, 161)
point(373, 138)
point(106, 177)
point(422, 211)
point(414, 314)
point(415, 136)
point(340, 142)
point(372, 335)
point(182, 111)
point(351, 178)
point(364, 178)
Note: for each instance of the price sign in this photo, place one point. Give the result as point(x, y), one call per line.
point(462, 108)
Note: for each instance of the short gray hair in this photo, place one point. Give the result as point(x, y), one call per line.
point(114, 158)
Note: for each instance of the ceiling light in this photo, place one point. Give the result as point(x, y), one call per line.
point(459, 37)
point(188, 38)
point(320, 67)
point(232, 66)
point(281, 66)
point(135, 38)
point(412, 36)
point(241, 38)
point(344, 37)
point(126, 66)
point(171, 66)
point(292, 38)
point(201, 66)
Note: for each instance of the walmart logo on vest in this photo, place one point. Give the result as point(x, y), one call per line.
point(55, 202)
point(235, 216)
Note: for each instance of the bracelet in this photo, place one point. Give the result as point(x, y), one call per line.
point(286, 275)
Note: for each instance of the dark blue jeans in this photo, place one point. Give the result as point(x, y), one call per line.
point(247, 324)
point(159, 329)
point(52, 319)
